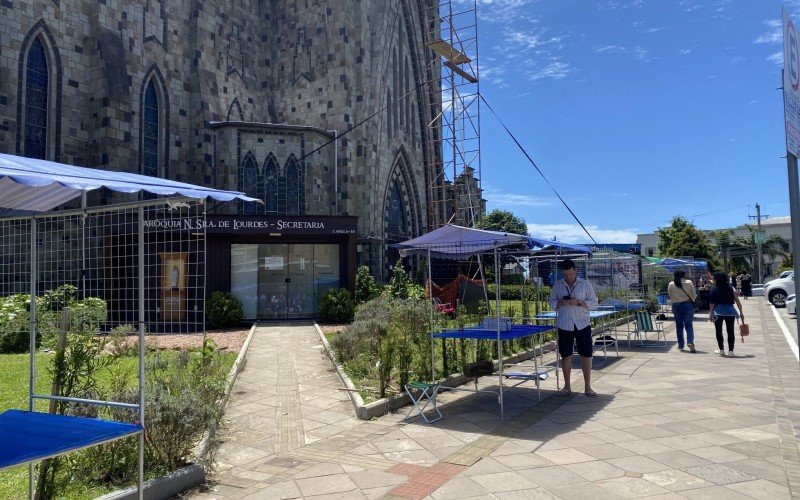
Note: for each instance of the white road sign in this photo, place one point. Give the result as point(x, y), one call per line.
point(791, 85)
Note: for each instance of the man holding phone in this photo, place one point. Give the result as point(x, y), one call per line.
point(572, 298)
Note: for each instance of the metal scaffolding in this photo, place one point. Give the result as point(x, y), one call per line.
point(453, 138)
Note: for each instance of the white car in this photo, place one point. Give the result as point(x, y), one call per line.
point(791, 304)
point(758, 290)
point(778, 290)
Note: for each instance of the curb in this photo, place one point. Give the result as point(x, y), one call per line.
point(193, 475)
point(393, 403)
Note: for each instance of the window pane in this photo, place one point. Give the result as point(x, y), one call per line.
point(150, 132)
point(36, 85)
point(244, 277)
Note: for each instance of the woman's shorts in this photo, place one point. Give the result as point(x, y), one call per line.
point(567, 339)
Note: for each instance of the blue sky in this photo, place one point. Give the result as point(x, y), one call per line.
point(636, 111)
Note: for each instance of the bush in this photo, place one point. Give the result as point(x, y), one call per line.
point(15, 324)
point(336, 306)
point(366, 287)
point(512, 292)
point(224, 309)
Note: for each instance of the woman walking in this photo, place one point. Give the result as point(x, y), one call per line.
point(682, 296)
point(722, 298)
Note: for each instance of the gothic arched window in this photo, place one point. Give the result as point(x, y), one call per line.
point(293, 187)
point(270, 194)
point(248, 184)
point(396, 223)
point(150, 131)
point(37, 79)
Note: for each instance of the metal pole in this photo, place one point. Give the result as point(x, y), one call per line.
point(760, 243)
point(499, 342)
point(430, 287)
point(794, 206)
point(142, 282)
point(32, 347)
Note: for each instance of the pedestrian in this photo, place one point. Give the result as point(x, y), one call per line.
point(572, 298)
point(746, 282)
point(682, 296)
point(722, 298)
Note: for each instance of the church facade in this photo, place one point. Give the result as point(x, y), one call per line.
point(319, 108)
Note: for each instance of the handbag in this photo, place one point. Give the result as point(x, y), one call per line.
point(744, 330)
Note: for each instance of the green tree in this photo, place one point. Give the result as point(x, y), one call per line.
point(502, 220)
point(366, 287)
point(682, 239)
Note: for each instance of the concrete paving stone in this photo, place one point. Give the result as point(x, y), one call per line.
point(367, 479)
point(565, 456)
point(631, 487)
point(655, 431)
point(509, 448)
point(553, 475)
point(582, 491)
point(675, 480)
point(376, 493)
point(760, 469)
point(523, 461)
point(336, 483)
point(345, 495)
point(320, 470)
point(278, 491)
point(719, 474)
point(614, 436)
point(539, 493)
point(761, 488)
point(752, 449)
point(637, 464)
point(605, 451)
point(398, 445)
point(677, 459)
point(714, 493)
point(750, 434)
point(594, 471)
point(505, 481)
point(576, 439)
point(412, 456)
point(717, 454)
point(679, 442)
point(458, 488)
point(643, 446)
point(486, 465)
point(717, 438)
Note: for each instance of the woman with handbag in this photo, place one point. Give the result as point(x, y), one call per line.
point(723, 297)
point(682, 296)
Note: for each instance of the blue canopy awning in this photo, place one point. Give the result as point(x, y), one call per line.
point(40, 185)
point(458, 242)
point(558, 245)
point(672, 264)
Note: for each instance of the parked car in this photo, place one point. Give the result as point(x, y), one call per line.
point(791, 304)
point(758, 289)
point(784, 274)
point(778, 290)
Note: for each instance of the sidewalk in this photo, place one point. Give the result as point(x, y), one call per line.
point(667, 424)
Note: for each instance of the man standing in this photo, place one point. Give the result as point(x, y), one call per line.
point(572, 298)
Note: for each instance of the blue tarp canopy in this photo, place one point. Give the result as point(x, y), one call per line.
point(542, 243)
point(458, 242)
point(40, 185)
point(672, 264)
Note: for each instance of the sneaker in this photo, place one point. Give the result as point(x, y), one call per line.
point(720, 352)
point(682, 349)
point(691, 348)
point(731, 354)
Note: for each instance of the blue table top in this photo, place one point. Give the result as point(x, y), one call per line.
point(29, 436)
point(515, 332)
point(592, 314)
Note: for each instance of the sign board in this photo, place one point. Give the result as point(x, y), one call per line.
point(791, 84)
point(273, 263)
point(760, 237)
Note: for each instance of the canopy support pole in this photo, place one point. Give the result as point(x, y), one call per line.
point(140, 476)
point(497, 325)
point(430, 300)
point(32, 346)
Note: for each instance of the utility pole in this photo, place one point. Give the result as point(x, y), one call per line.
point(760, 237)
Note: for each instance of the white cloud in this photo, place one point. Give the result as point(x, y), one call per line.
point(738, 59)
point(775, 33)
point(611, 49)
point(685, 51)
point(504, 200)
point(573, 233)
point(776, 58)
point(555, 70)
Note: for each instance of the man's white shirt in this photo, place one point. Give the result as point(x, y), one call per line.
point(571, 317)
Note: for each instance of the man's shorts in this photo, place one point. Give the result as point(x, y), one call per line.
point(583, 338)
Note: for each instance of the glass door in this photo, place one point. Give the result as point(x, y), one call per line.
point(300, 281)
point(272, 269)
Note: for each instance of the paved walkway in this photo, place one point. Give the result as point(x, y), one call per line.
point(667, 424)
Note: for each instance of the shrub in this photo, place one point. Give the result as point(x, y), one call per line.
point(366, 287)
point(224, 309)
point(15, 324)
point(336, 306)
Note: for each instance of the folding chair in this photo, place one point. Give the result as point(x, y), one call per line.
point(644, 324)
point(427, 393)
point(446, 309)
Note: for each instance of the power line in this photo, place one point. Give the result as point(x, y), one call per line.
point(537, 169)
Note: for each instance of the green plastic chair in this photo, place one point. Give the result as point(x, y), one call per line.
point(644, 325)
point(426, 393)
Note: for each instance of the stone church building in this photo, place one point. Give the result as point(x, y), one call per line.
point(251, 95)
